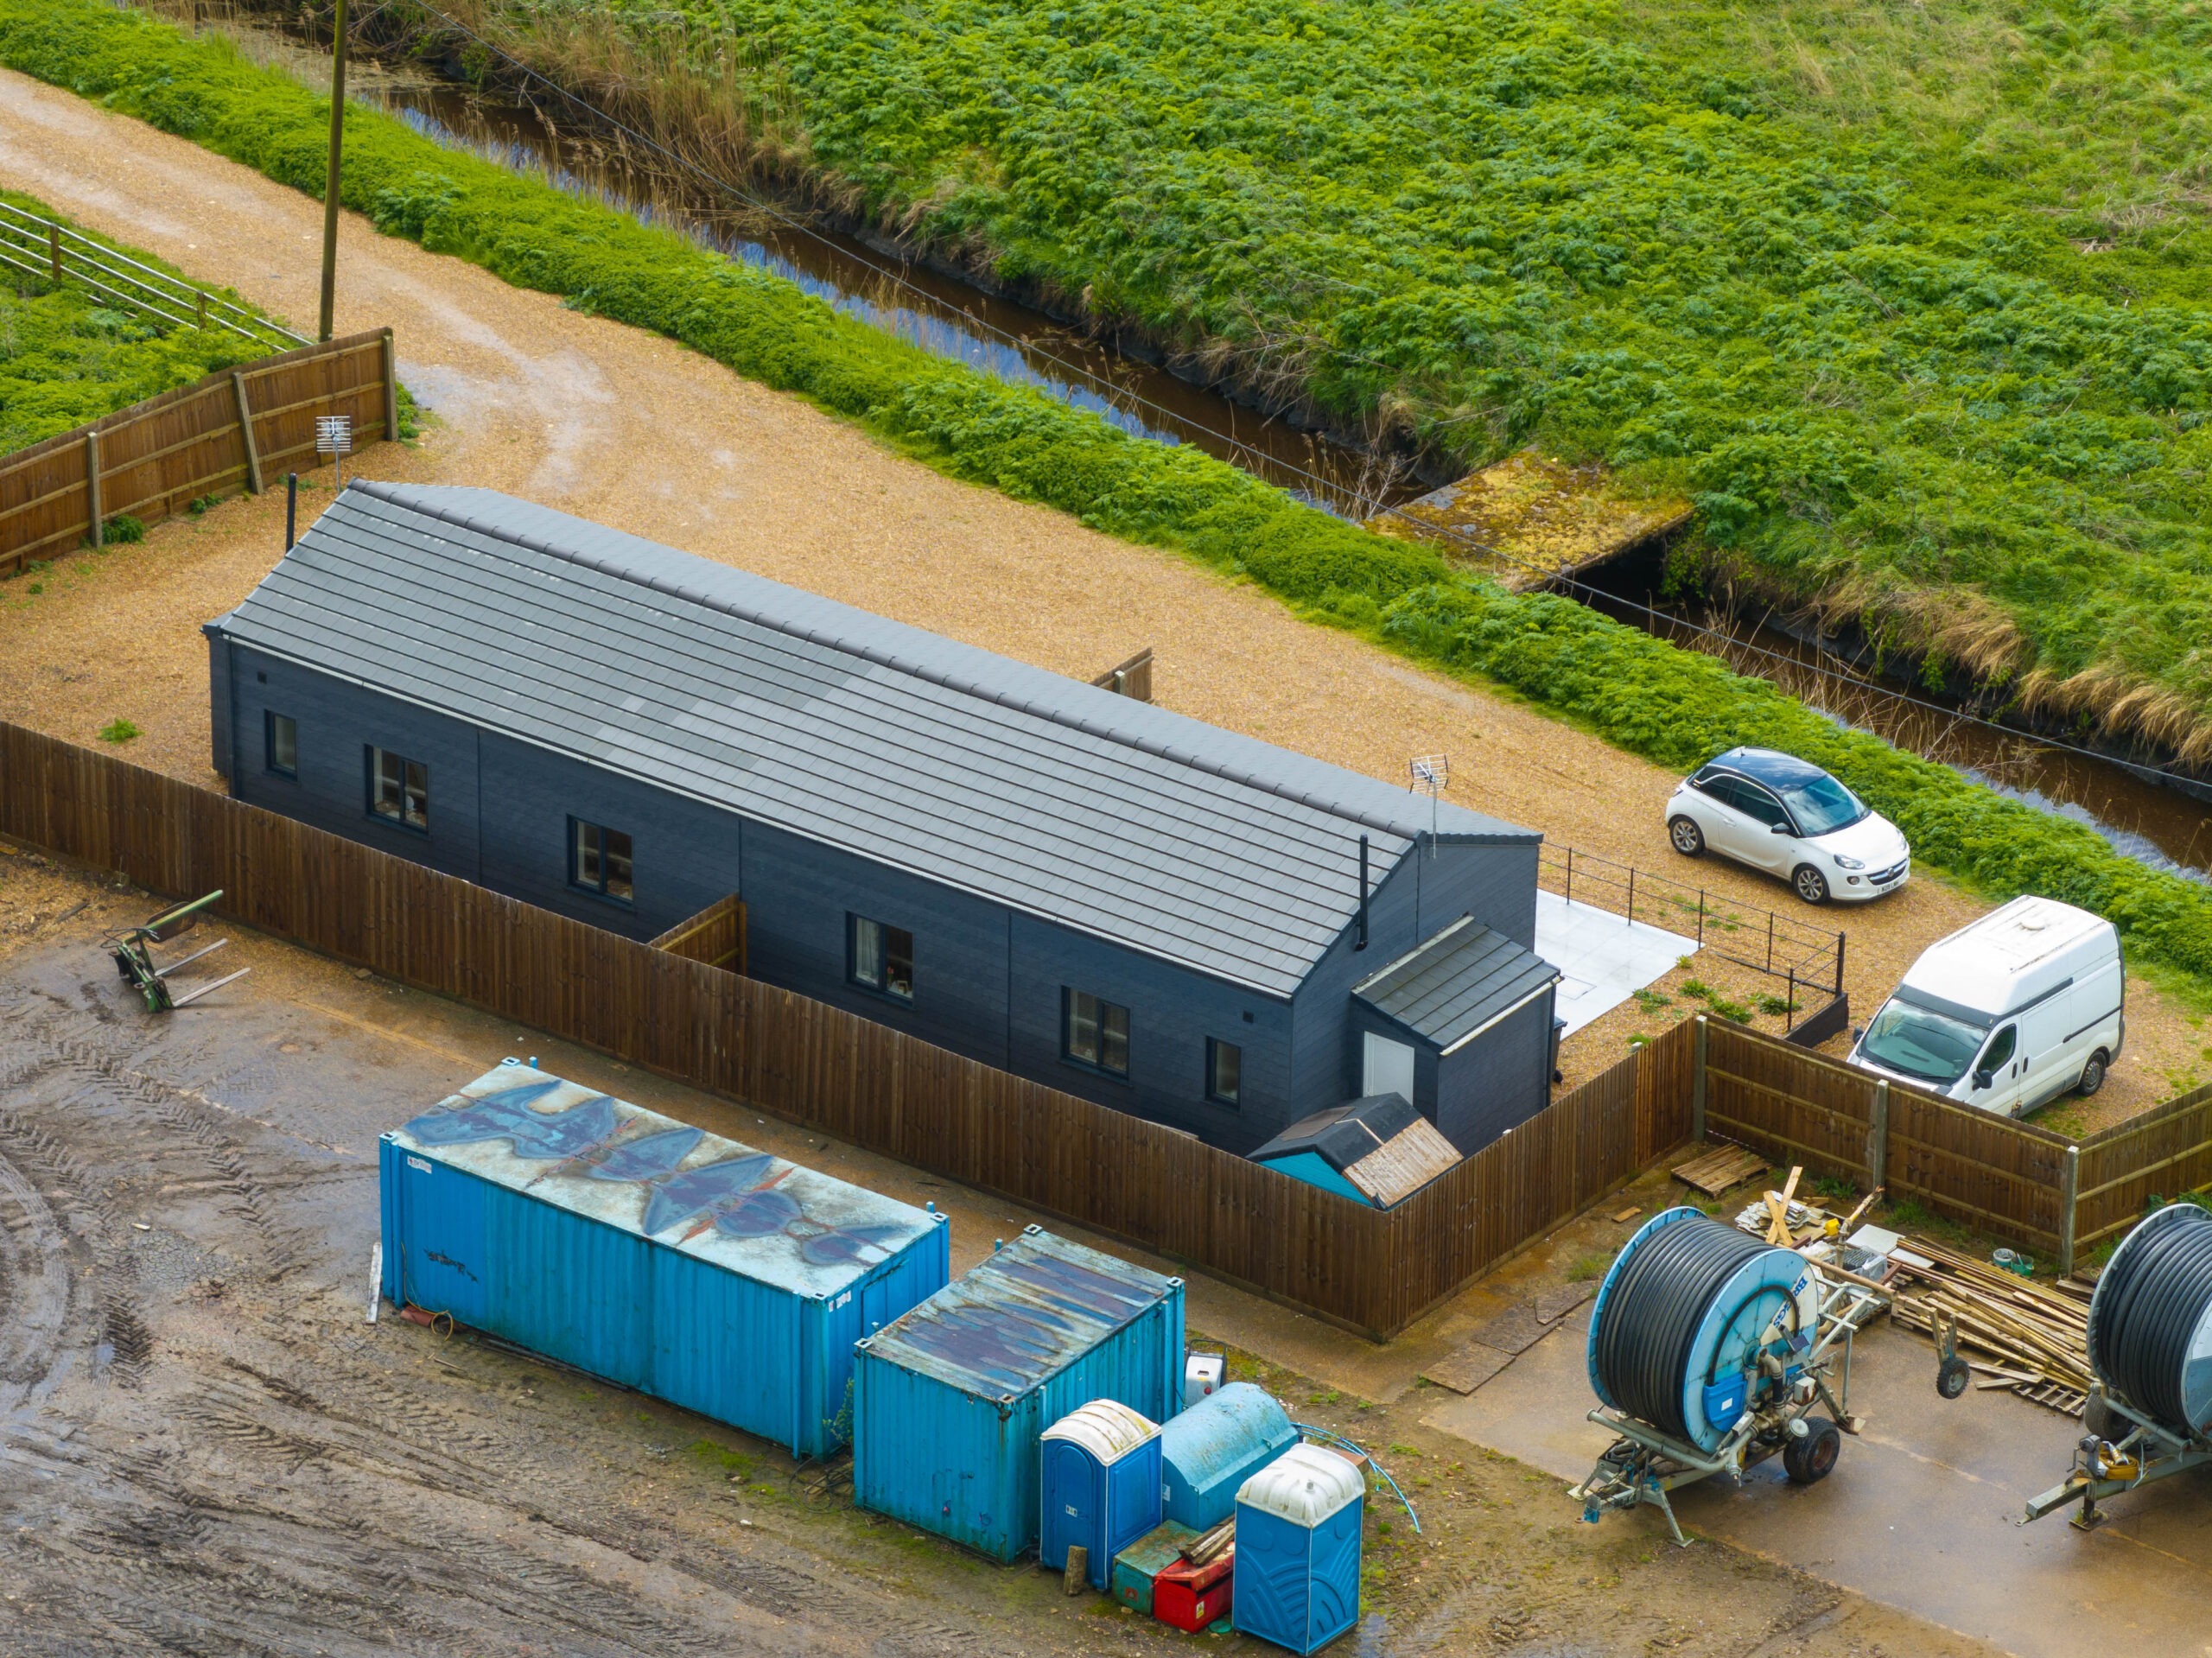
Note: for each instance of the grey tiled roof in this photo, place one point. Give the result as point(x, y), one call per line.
point(1121, 820)
point(1456, 983)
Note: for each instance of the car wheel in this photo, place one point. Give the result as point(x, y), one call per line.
point(1688, 838)
point(1952, 1377)
point(1806, 1461)
point(2093, 1075)
point(1811, 885)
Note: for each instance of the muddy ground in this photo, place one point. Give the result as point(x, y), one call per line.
point(206, 1449)
point(623, 427)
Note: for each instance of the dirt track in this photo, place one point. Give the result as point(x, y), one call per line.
point(204, 1448)
point(619, 426)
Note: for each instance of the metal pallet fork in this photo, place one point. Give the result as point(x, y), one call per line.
point(135, 965)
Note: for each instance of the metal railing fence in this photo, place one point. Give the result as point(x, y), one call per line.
point(49, 251)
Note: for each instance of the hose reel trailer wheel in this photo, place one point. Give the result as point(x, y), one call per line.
point(1696, 1321)
point(2150, 1319)
point(1807, 1459)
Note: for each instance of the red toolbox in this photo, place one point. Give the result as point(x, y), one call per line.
point(1191, 1597)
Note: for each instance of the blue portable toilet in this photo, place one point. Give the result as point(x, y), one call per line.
point(1298, 1549)
point(1101, 1486)
point(1208, 1451)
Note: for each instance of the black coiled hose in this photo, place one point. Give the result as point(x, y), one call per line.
point(1651, 1315)
point(2149, 1304)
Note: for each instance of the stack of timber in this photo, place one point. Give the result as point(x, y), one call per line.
point(2035, 1338)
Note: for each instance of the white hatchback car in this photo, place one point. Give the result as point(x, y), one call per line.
point(1777, 813)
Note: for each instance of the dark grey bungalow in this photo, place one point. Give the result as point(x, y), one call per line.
point(1124, 903)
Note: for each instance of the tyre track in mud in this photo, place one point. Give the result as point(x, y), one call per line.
point(204, 1449)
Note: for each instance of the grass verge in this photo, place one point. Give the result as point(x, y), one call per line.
point(1672, 706)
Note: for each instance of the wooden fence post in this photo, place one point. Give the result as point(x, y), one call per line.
point(1877, 1140)
point(245, 428)
point(2068, 1190)
point(92, 483)
point(1697, 1083)
point(390, 390)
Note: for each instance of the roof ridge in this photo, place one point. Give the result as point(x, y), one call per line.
point(393, 495)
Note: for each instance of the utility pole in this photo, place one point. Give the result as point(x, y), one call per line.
point(330, 186)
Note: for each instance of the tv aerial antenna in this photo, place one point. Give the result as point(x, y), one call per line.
point(1430, 774)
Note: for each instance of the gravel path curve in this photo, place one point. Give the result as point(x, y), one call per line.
point(620, 426)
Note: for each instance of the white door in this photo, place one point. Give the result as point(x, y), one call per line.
point(1386, 1067)
point(2002, 1062)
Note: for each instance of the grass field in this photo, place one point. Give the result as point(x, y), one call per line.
point(1911, 299)
point(66, 358)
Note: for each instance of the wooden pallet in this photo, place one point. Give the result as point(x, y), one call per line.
point(2064, 1400)
point(1720, 1168)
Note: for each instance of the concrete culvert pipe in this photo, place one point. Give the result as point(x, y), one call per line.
point(1685, 1318)
point(2150, 1319)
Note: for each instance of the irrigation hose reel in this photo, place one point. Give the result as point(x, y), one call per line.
point(1711, 1351)
point(2149, 1414)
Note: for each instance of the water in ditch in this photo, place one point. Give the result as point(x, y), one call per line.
point(2140, 816)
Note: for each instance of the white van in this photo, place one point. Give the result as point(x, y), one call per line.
point(2008, 1013)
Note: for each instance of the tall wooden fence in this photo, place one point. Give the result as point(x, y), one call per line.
point(231, 430)
point(1373, 1270)
point(862, 1082)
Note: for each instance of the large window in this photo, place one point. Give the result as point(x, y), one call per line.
point(399, 789)
point(1094, 1032)
point(1224, 1071)
point(883, 958)
point(280, 744)
point(599, 859)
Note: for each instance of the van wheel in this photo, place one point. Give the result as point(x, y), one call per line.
point(1688, 837)
point(1811, 885)
point(2093, 1075)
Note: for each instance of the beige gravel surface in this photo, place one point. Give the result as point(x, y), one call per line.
point(620, 426)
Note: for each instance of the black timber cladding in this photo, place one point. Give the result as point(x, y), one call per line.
point(1457, 984)
point(1136, 825)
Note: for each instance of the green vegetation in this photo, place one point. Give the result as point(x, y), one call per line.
point(66, 358)
point(1908, 299)
point(118, 731)
point(1674, 707)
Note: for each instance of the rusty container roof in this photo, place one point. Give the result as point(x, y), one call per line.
point(1020, 1315)
point(748, 1211)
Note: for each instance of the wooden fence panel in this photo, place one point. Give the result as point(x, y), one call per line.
point(2159, 1154)
point(158, 456)
point(1794, 1105)
point(1987, 1171)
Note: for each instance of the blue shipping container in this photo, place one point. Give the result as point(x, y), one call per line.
point(950, 1402)
point(1212, 1448)
point(1298, 1541)
point(655, 1254)
point(1101, 1486)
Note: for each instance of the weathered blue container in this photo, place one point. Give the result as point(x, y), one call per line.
point(950, 1403)
point(1211, 1449)
point(1101, 1486)
point(655, 1254)
point(1298, 1549)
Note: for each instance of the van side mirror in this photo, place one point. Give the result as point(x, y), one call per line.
point(1779, 829)
point(1984, 1078)
point(1857, 1032)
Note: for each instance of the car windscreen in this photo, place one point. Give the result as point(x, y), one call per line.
point(1821, 805)
point(1919, 1042)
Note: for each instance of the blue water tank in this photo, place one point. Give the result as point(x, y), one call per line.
point(1211, 1449)
point(1101, 1486)
point(1298, 1542)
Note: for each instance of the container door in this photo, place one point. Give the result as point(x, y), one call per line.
point(1334, 1606)
point(443, 1266)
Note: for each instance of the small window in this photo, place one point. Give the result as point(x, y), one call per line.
point(399, 789)
point(1094, 1032)
point(1224, 1071)
point(1999, 1052)
point(280, 737)
point(883, 958)
point(599, 859)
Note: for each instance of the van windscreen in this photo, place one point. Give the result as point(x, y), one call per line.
point(1920, 1042)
